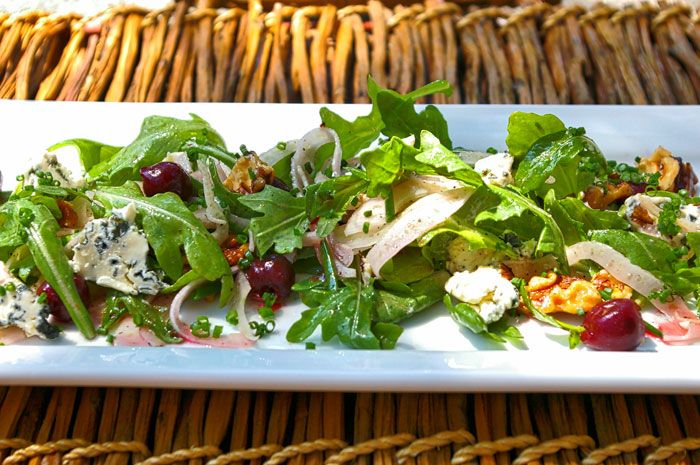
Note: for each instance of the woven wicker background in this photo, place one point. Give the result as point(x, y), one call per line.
point(534, 54)
point(120, 426)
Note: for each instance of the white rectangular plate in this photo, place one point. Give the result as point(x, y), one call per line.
point(433, 354)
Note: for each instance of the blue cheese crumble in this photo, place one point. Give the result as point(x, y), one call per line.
point(112, 252)
point(21, 308)
point(49, 164)
point(489, 293)
point(496, 169)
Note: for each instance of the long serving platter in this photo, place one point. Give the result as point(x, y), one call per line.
point(433, 354)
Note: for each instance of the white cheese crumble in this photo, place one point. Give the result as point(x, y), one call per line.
point(496, 169)
point(50, 164)
point(485, 290)
point(21, 308)
point(112, 253)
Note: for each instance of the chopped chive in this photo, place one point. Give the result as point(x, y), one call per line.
point(244, 150)
point(281, 145)
point(389, 207)
point(242, 238)
point(218, 329)
point(606, 293)
point(3, 291)
point(10, 287)
point(269, 299)
point(355, 201)
point(266, 313)
point(42, 298)
point(365, 227)
point(368, 213)
point(20, 177)
point(252, 175)
point(310, 346)
point(232, 317)
point(110, 339)
point(655, 331)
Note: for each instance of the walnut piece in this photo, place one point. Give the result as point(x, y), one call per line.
point(675, 174)
point(240, 179)
point(600, 197)
point(557, 293)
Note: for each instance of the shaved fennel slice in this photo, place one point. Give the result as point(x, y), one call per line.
point(275, 154)
point(406, 192)
point(415, 221)
point(305, 151)
point(619, 266)
point(214, 212)
point(242, 290)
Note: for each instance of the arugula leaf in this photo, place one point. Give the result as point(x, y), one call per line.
point(168, 225)
point(159, 135)
point(513, 211)
point(693, 241)
point(385, 165)
point(40, 229)
point(281, 227)
point(475, 237)
point(464, 315)
point(524, 129)
point(91, 153)
point(648, 252)
point(329, 200)
point(576, 219)
point(571, 230)
point(143, 313)
point(591, 218)
point(396, 305)
point(559, 156)
point(345, 312)
point(384, 117)
point(401, 119)
point(444, 161)
point(406, 267)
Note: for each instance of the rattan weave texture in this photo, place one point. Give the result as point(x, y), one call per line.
point(321, 53)
point(162, 427)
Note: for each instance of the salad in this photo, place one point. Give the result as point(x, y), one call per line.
point(366, 222)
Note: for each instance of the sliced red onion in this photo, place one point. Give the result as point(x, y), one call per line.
point(235, 341)
point(201, 215)
point(11, 335)
point(341, 252)
point(619, 266)
point(415, 221)
point(310, 239)
point(128, 335)
point(243, 289)
point(196, 175)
